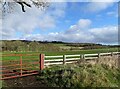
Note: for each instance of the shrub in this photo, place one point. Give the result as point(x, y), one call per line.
point(75, 76)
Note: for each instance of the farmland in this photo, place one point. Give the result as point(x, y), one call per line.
point(52, 48)
point(49, 48)
point(49, 53)
point(71, 73)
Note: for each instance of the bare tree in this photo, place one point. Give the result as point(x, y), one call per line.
point(8, 5)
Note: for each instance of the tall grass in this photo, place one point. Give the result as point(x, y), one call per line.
point(81, 75)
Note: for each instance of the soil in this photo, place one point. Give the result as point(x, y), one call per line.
point(29, 81)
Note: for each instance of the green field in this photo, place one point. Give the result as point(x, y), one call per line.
point(53, 53)
point(66, 52)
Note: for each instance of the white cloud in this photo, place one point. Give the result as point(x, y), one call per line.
point(112, 13)
point(108, 35)
point(33, 37)
point(58, 9)
point(98, 6)
point(81, 25)
point(84, 23)
point(30, 20)
point(47, 22)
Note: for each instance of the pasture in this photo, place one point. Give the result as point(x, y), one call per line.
point(54, 53)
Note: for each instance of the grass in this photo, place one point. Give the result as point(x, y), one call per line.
point(49, 53)
point(76, 76)
point(73, 76)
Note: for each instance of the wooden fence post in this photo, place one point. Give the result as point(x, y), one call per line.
point(111, 53)
point(99, 55)
point(64, 58)
point(83, 58)
point(41, 61)
point(97, 60)
point(21, 65)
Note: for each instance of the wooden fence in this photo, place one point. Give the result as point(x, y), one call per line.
point(25, 65)
point(64, 59)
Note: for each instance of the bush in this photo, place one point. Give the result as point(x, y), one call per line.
point(75, 76)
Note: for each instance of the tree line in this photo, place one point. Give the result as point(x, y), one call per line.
point(19, 45)
point(36, 46)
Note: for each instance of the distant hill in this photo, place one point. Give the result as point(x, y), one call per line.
point(27, 45)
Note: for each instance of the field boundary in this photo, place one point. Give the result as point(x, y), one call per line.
point(65, 59)
point(20, 68)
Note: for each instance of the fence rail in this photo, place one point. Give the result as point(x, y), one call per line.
point(30, 65)
point(64, 59)
point(17, 65)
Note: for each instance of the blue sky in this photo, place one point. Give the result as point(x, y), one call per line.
point(95, 22)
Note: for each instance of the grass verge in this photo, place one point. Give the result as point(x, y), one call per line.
point(76, 76)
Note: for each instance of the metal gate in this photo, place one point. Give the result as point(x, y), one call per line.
point(19, 65)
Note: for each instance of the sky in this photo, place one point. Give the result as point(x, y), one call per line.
point(83, 22)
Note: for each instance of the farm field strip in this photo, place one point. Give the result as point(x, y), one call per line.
point(48, 53)
point(65, 59)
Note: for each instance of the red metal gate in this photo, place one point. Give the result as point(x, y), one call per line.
point(19, 65)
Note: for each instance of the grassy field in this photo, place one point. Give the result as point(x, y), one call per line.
point(49, 53)
point(66, 52)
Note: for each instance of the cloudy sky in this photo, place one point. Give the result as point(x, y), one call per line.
point(95, 22)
